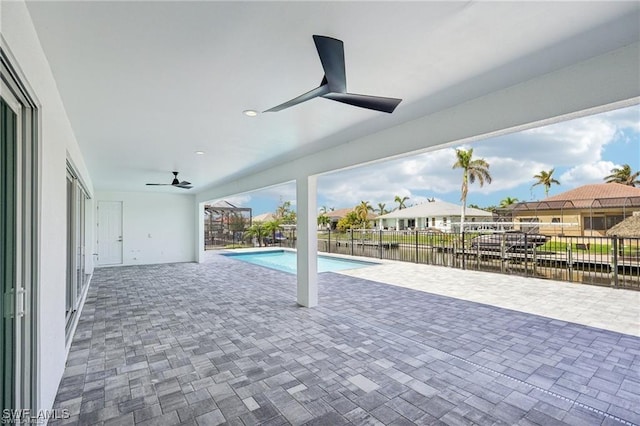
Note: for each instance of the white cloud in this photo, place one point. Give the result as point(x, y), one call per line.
point(568, 143)
point(586, 173)
point(576, 145)
point(625, 118)
point(430, 172)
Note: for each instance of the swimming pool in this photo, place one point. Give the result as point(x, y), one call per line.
point(286, 261)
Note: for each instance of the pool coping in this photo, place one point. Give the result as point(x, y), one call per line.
point(362, 259)
point(372, 261)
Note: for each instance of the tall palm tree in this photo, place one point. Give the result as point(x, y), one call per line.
point(545, 178)
point(472, 170)
point(506, 202)
point(401, 201)
point(381, 208)
point(623, 175)
point(362, 210)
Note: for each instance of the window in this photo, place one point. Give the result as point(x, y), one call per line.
point(444, 221)
point(611, 221)
point(555, 220)
point(594, 223)
point(76, 256)
point(433, 222)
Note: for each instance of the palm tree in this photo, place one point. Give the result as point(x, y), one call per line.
point(545, 178)
point(258, 231)
point(362, 210)
point(323, 220)
point(623, 175)
point(381, 208)
point(507, 202)
point(271, 227)
point(401, 201)
point(472, 170)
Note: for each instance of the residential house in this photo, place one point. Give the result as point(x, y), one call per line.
point(335, 216)
point(587, 211)
point(439, 215)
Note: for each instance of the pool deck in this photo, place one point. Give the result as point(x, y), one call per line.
point(601, 307)
point(223, 342)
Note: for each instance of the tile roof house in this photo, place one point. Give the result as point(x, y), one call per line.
point(592, 209)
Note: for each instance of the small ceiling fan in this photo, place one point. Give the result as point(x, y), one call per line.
point(184, 184)
point(334, 83)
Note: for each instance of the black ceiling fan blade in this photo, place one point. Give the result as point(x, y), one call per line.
point(318, 91)
point(184, 183)
point(331, 52)
point(159, 184)
point(377, 103)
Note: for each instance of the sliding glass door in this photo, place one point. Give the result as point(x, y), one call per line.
point(18, 241)
point(8, 136)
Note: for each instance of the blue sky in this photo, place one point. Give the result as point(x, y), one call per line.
point(582, 151)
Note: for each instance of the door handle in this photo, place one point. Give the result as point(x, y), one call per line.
point(119, 239)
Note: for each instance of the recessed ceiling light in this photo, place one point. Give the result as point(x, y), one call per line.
point(199, 152)
point(250, 112)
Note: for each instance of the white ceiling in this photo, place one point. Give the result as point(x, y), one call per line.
point(146, 84)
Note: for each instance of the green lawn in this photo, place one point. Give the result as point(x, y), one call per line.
point(450, 239)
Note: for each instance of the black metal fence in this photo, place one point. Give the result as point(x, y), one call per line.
point(605, 261)
point(608, 261)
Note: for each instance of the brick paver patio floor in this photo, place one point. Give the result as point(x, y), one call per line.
point(224, 341)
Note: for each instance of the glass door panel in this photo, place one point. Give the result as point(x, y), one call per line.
point(8, 245)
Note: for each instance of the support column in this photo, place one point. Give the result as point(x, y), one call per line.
point(307, 242)
point(199, 230)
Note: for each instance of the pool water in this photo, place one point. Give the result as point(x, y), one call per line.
point(286, 261)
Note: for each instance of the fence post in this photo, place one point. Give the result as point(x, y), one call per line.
point(352, 241)
point(535, 261)
point(380, 242)
point(526, 258)
point(502, 252)
point(416, 246)
point(570, 261)
point(329, 237)
point(614, 261)
point(464, 256)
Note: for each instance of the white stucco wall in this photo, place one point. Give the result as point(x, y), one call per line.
point(157, 227)
point(58, 145)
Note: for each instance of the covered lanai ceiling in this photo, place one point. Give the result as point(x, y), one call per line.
point(147, 84)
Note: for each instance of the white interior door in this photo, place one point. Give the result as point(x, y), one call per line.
point(109, 232)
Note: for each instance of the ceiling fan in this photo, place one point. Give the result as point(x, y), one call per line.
point(334, 83)
point(184, 184)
